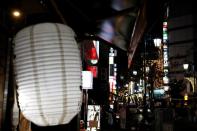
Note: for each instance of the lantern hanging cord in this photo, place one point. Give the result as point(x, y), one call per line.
point(58, 11)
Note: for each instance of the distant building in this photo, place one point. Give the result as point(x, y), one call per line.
point(182, 38)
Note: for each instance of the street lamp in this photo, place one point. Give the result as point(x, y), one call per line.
point(134, 73)
point(16, 13)
point(185, 66)
point(157, 42)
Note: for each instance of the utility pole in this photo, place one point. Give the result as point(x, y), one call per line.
point(144, 75)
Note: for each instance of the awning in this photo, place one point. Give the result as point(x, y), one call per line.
point(138, 31)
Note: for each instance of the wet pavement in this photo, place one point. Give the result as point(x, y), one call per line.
point(160, 120)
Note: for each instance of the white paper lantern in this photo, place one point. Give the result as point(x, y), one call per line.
point(48, 73)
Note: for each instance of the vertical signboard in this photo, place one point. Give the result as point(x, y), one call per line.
point(87, 80)
point(93, 118)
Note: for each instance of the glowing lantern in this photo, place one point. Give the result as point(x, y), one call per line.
point(48, 73)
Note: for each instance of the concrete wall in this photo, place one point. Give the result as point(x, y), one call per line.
point(181, 27)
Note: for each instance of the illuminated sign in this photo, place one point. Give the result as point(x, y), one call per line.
point(93, 118)
point(165, 49)
point(165, 55)
point(165, 34)
point(93, 69)
point(112, 70)
point(87, 79)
